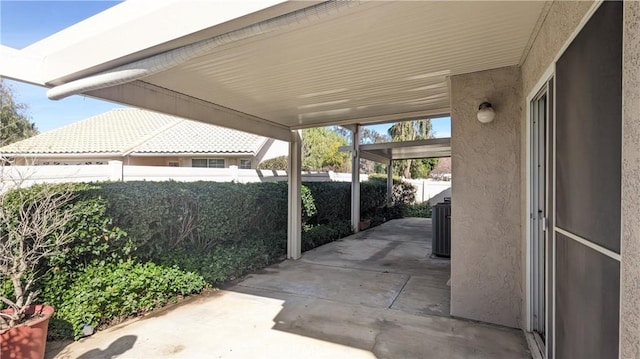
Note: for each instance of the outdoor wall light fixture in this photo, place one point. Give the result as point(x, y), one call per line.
point(486, 113)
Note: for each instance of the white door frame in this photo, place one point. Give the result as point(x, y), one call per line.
point(549, 282)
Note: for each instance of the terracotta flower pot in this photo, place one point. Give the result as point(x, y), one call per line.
point(28, 340)
point(364, 224)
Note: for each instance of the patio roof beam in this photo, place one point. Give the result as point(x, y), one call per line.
point(376, 120)
point(405, 150)
point(17, 65)
point(445, 142)
point(375, 157)
point(155, 98)
point(433, 154)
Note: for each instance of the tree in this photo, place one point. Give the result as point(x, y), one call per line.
point(14, 122)
point(33, 228)
point(369, 136)
point(320, 150)
point(411, 131)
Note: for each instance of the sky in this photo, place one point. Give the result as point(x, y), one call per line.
point(24, 22)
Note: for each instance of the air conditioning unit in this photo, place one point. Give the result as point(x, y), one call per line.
point(441, 229)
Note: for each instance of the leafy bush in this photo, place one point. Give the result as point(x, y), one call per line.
point(225, 262)
point(422, 210)
point(105, 293)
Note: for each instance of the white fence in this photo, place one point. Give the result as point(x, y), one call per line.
point(116, 171)
point(431, 190)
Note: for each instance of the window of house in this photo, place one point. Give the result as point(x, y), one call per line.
point(208, 162)
point(199, 162)
point(174, 164)
point(216, 163)
point(245, 164)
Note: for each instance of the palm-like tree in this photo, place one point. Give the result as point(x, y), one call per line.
point(409, 131)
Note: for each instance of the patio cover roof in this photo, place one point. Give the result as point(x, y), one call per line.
point(388, 151)
point(302, 64)
point(269, 67)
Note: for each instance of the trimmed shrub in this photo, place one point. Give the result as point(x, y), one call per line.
point(96, 235)
point(333, 201)
point(162, 216)
point(322, 234)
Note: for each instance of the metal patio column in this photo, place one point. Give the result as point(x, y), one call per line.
point(294, 242)
point(355, 179)
point(389, 182)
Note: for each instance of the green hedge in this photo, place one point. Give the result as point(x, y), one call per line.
point(163, 216)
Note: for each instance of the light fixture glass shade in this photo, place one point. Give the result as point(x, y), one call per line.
point(486, 113)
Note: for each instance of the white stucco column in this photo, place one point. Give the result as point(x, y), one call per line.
point(294, 230)
point(355, 179)
point(389, 183)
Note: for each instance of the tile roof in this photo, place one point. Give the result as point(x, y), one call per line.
point(135, 131)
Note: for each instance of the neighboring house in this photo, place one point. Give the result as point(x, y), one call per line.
point(144, 138)
point(442, 171)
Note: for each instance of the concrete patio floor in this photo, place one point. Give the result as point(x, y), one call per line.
point(376, 294)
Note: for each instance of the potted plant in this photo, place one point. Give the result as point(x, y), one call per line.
point(33, 228)
point(364, 224)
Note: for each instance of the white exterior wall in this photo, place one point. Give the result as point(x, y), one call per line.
point(115, 171)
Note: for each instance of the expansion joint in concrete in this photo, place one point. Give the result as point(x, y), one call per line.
point(399, 292)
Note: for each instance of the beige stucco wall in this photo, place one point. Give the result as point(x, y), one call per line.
point(486, 265)
point(146, 161)
point(183, 161)
point(560, 22)
point(630, 253)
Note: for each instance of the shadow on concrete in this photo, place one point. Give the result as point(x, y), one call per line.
point(380, 291)
point(119, 346)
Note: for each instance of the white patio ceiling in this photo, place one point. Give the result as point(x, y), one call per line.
point(373, 62)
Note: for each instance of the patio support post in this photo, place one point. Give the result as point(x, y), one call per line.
point(355, 179)
point(390, 183)
point(294, 230)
